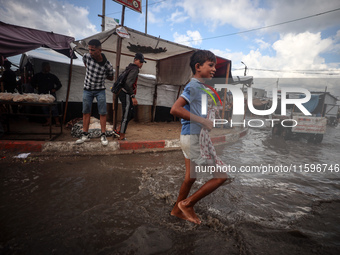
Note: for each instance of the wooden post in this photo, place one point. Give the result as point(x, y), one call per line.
point(154, 105)
point(119, 50)
point(103, 16)
point(68, 89)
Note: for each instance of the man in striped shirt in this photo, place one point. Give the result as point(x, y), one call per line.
point(98, 68)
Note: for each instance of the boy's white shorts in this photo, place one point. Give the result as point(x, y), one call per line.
point(191, 147)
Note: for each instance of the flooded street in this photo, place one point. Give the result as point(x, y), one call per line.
point(121, 204)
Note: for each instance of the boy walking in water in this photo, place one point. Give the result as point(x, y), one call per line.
point(188, 107)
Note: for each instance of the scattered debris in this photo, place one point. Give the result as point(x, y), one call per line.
point(22, 155)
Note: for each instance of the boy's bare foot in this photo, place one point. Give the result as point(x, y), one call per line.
point(189, 212)
point(178, 213)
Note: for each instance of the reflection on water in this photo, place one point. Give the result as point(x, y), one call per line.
point(121, 204)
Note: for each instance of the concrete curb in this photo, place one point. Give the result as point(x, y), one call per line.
point(21, 146)
point(112, 147)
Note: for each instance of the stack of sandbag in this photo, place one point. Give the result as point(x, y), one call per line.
point(46, 98)
point(94, 128)
point(29, 97)
point(19, 98)
point(95, 124)
point(7, 96)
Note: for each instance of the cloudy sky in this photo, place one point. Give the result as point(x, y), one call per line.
point(276, 39)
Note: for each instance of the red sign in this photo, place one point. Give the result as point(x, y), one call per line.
point(135, 5)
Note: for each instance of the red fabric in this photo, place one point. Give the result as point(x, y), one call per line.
point(208, 152)
point(15, 40)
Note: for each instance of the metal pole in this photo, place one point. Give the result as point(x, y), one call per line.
point(245, 69)
point(68, 90)
point(146, 18)
point(119, 50)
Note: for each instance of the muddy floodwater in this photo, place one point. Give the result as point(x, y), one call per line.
point(121, 204)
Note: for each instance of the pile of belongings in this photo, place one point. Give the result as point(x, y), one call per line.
point(29, 97)
point(94, 128)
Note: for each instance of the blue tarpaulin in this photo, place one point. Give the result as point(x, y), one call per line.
point(312, 103)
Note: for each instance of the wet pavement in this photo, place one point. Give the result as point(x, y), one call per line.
point(120, 204)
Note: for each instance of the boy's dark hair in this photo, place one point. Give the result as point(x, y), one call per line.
point(95, 42)
point(200, 57)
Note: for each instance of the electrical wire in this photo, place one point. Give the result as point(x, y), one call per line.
point(260, 28)
point(331, 72)
point(250, 30)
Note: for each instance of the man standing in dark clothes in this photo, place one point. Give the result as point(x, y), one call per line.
point(9, 78)
point(128, 93)
point(47, 83)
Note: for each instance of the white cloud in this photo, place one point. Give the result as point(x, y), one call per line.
point(192, 38)
point(156, 12)
point(249, 14)
point(337, 36)
point(178, 17)
point(292, 52)
point(160, 6)
point(281, 11)
point(65, 19)
point(268, 80)
point(302, 50)
point(152, 18)
point(263, 45)
point(195, 36)
point(244, 14)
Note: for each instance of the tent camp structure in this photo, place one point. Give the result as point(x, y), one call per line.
point(60, 66)
point(168, 62)
point(15, 40)
point(70, 76)
point(163, 76)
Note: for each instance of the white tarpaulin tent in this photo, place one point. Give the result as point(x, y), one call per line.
point(154, 49)
point(160, 80)
point(168, 62)
point(60, 66)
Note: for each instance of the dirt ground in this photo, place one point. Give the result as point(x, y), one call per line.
point(22, 129)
